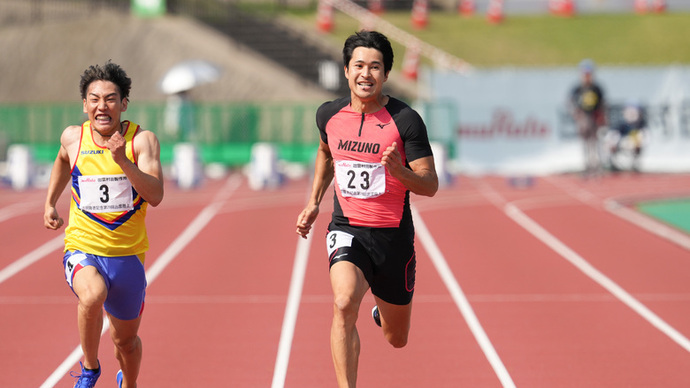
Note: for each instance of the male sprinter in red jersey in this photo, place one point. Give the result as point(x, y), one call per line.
point(377, 149)
point(114, 171)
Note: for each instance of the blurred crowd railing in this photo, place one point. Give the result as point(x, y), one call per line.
point(223, 132)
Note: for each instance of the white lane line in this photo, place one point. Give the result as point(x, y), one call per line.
point(580, 263)
point(192, 230)
point(287, 332)
point(461, 300)
point(16, 209)
point(32, 257)
point(647, 223)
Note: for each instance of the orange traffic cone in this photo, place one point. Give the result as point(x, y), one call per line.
point(410, 65)
point(466, 7)
point(562, 7)
point(375, 6)
point(324, 16)
point(641, 6)
point(658, 6)
point(494, 13)
point(420, 14)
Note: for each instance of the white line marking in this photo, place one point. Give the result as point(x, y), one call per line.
point(552, 242)
point(192, 230)
point(651, 225)
point(290, 319)
point(32, 257)
point(15, 210)
point(461, 300)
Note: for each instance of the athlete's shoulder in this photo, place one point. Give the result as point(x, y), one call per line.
point(329, 108)
point(71, 135)
point(401, 112)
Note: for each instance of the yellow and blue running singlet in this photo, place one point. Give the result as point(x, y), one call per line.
point(106, 213)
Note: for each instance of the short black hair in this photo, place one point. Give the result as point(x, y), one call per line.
point(369, 39)
point(108, 72)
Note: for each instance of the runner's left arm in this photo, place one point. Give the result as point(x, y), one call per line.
point(420, 178)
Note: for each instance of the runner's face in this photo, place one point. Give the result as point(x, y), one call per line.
point(365, 74)
point(103, 105)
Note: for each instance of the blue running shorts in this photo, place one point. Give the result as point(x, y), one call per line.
point(124, 278)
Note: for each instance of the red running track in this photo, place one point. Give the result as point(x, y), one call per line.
point(539, 286)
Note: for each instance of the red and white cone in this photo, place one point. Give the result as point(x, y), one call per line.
point(659, 6)
point(562, 7)
point(420, 14)
point(324, 16)
point(375, 6)
point(466, 7)
point(641, 6)
point(410, 65)
point(494, 13)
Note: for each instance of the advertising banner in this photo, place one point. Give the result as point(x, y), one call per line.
point(518, 120)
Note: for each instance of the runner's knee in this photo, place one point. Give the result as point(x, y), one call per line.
point(345, 308)
point(397, 338)
point(127, 344)
point(91, 294)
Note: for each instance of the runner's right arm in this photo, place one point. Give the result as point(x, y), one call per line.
point(59, 177)
point(323, 176)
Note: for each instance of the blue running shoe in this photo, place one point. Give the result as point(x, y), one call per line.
point(119, 379)
point(375, 314)
point(87, 378)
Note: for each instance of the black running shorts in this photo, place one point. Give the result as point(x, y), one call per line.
point(386, 256)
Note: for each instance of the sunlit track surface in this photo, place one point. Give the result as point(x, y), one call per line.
point(216, 308)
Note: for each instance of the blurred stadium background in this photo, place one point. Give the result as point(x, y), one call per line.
point(490, 77)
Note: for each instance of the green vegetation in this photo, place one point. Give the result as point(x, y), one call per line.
point(673, 212)
point(542, 40)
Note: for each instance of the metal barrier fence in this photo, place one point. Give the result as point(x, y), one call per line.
point(224, 133)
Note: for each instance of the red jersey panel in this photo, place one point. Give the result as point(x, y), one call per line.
point(365, 194)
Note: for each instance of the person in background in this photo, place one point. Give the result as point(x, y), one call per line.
point(114, 171)
point(588, 109)
point(627, 137)
point(377, 150)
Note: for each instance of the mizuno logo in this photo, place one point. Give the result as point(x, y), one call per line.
point(380, 125)
point(358, 146)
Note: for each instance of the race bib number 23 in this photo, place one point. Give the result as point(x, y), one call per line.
point(360, 180)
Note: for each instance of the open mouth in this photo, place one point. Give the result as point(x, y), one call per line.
point(365, 85)
point(103, 119)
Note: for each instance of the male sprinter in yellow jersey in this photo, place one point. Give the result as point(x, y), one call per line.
point(114, 171)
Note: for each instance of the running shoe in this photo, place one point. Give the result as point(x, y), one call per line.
point(87, 378)
point(119, 379)
point(375, 314)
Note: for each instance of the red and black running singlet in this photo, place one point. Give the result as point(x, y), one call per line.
point(365, 193)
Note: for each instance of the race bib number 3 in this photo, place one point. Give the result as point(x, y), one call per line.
point(105, 193)
point(360, 180)
point(337, 239)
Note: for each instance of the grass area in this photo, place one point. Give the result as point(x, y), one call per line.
point(541, 40)
point(673, 212)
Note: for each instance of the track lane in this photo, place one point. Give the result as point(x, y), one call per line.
point(550, 324)
point(602, 239)
point(440, 352)
point(219, 305)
